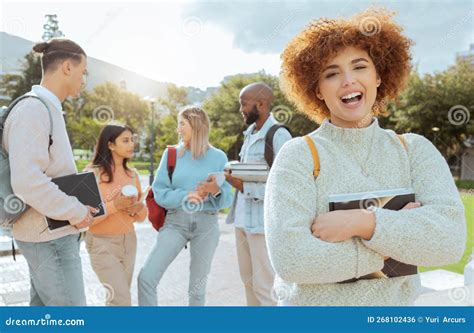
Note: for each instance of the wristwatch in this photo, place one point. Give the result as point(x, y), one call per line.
point(217, 195)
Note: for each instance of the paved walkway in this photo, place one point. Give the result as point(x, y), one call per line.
point(224, 285)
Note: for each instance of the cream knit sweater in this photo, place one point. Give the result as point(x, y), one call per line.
point(308, 268)
point(26, 138)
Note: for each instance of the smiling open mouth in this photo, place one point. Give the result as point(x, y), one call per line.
point(352, 98)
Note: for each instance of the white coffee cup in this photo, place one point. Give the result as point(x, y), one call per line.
point(129, 191)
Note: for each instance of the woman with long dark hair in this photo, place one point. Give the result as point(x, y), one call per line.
point(111, 240)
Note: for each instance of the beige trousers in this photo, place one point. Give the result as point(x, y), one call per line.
point(113, 260)
point(255, 268)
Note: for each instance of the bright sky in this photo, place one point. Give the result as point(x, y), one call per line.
point(199, 43)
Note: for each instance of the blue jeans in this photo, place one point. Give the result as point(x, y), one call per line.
point(55, 272)
point(202, 231)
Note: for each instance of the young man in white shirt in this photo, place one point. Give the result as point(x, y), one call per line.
point(53, 257)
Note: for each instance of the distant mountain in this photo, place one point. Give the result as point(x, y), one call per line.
point(198, 96)
point(13, 50)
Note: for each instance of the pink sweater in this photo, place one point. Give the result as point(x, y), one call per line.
point(116, 222)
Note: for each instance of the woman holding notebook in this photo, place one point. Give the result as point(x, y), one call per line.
point(111, 240)
point(193, 197)
point(342, 73)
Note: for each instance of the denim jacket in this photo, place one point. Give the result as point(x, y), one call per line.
point(255, 192)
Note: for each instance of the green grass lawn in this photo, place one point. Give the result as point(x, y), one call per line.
point(458, 267)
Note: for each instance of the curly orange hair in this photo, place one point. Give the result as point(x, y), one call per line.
point(372, 30)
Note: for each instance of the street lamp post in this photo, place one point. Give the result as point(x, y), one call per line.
point(152, 143)
point(436, 133)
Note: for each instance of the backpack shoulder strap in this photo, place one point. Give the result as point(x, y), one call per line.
point(269, 152)
point(3, 119)
point(403, 141)
point(314, 153)
point(171, 161)
point(96, 172)
point(136, 178)
point(135, 174)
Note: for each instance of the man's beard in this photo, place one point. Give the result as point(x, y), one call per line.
point(252, 116)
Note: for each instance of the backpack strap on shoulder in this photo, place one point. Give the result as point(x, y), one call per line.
point(314, 153)
point(269, 152)
point(3, 119)
point(171, 161)
point(403, 141)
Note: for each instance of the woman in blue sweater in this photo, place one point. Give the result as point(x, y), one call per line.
point(193, 199)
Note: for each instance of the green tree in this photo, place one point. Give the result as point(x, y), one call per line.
point(106, 103)
point(438, 106)
point(226, 120)
point(30, 73)
point(165, 130)
point(176, 98)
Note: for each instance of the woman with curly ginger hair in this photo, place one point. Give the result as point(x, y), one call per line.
point(342, 73)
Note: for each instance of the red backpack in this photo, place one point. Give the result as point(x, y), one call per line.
point(156, 213)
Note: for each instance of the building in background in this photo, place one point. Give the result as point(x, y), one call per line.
point(467, 55)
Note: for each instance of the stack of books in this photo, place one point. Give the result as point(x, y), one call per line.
point(249, 172)
point(394, 199)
